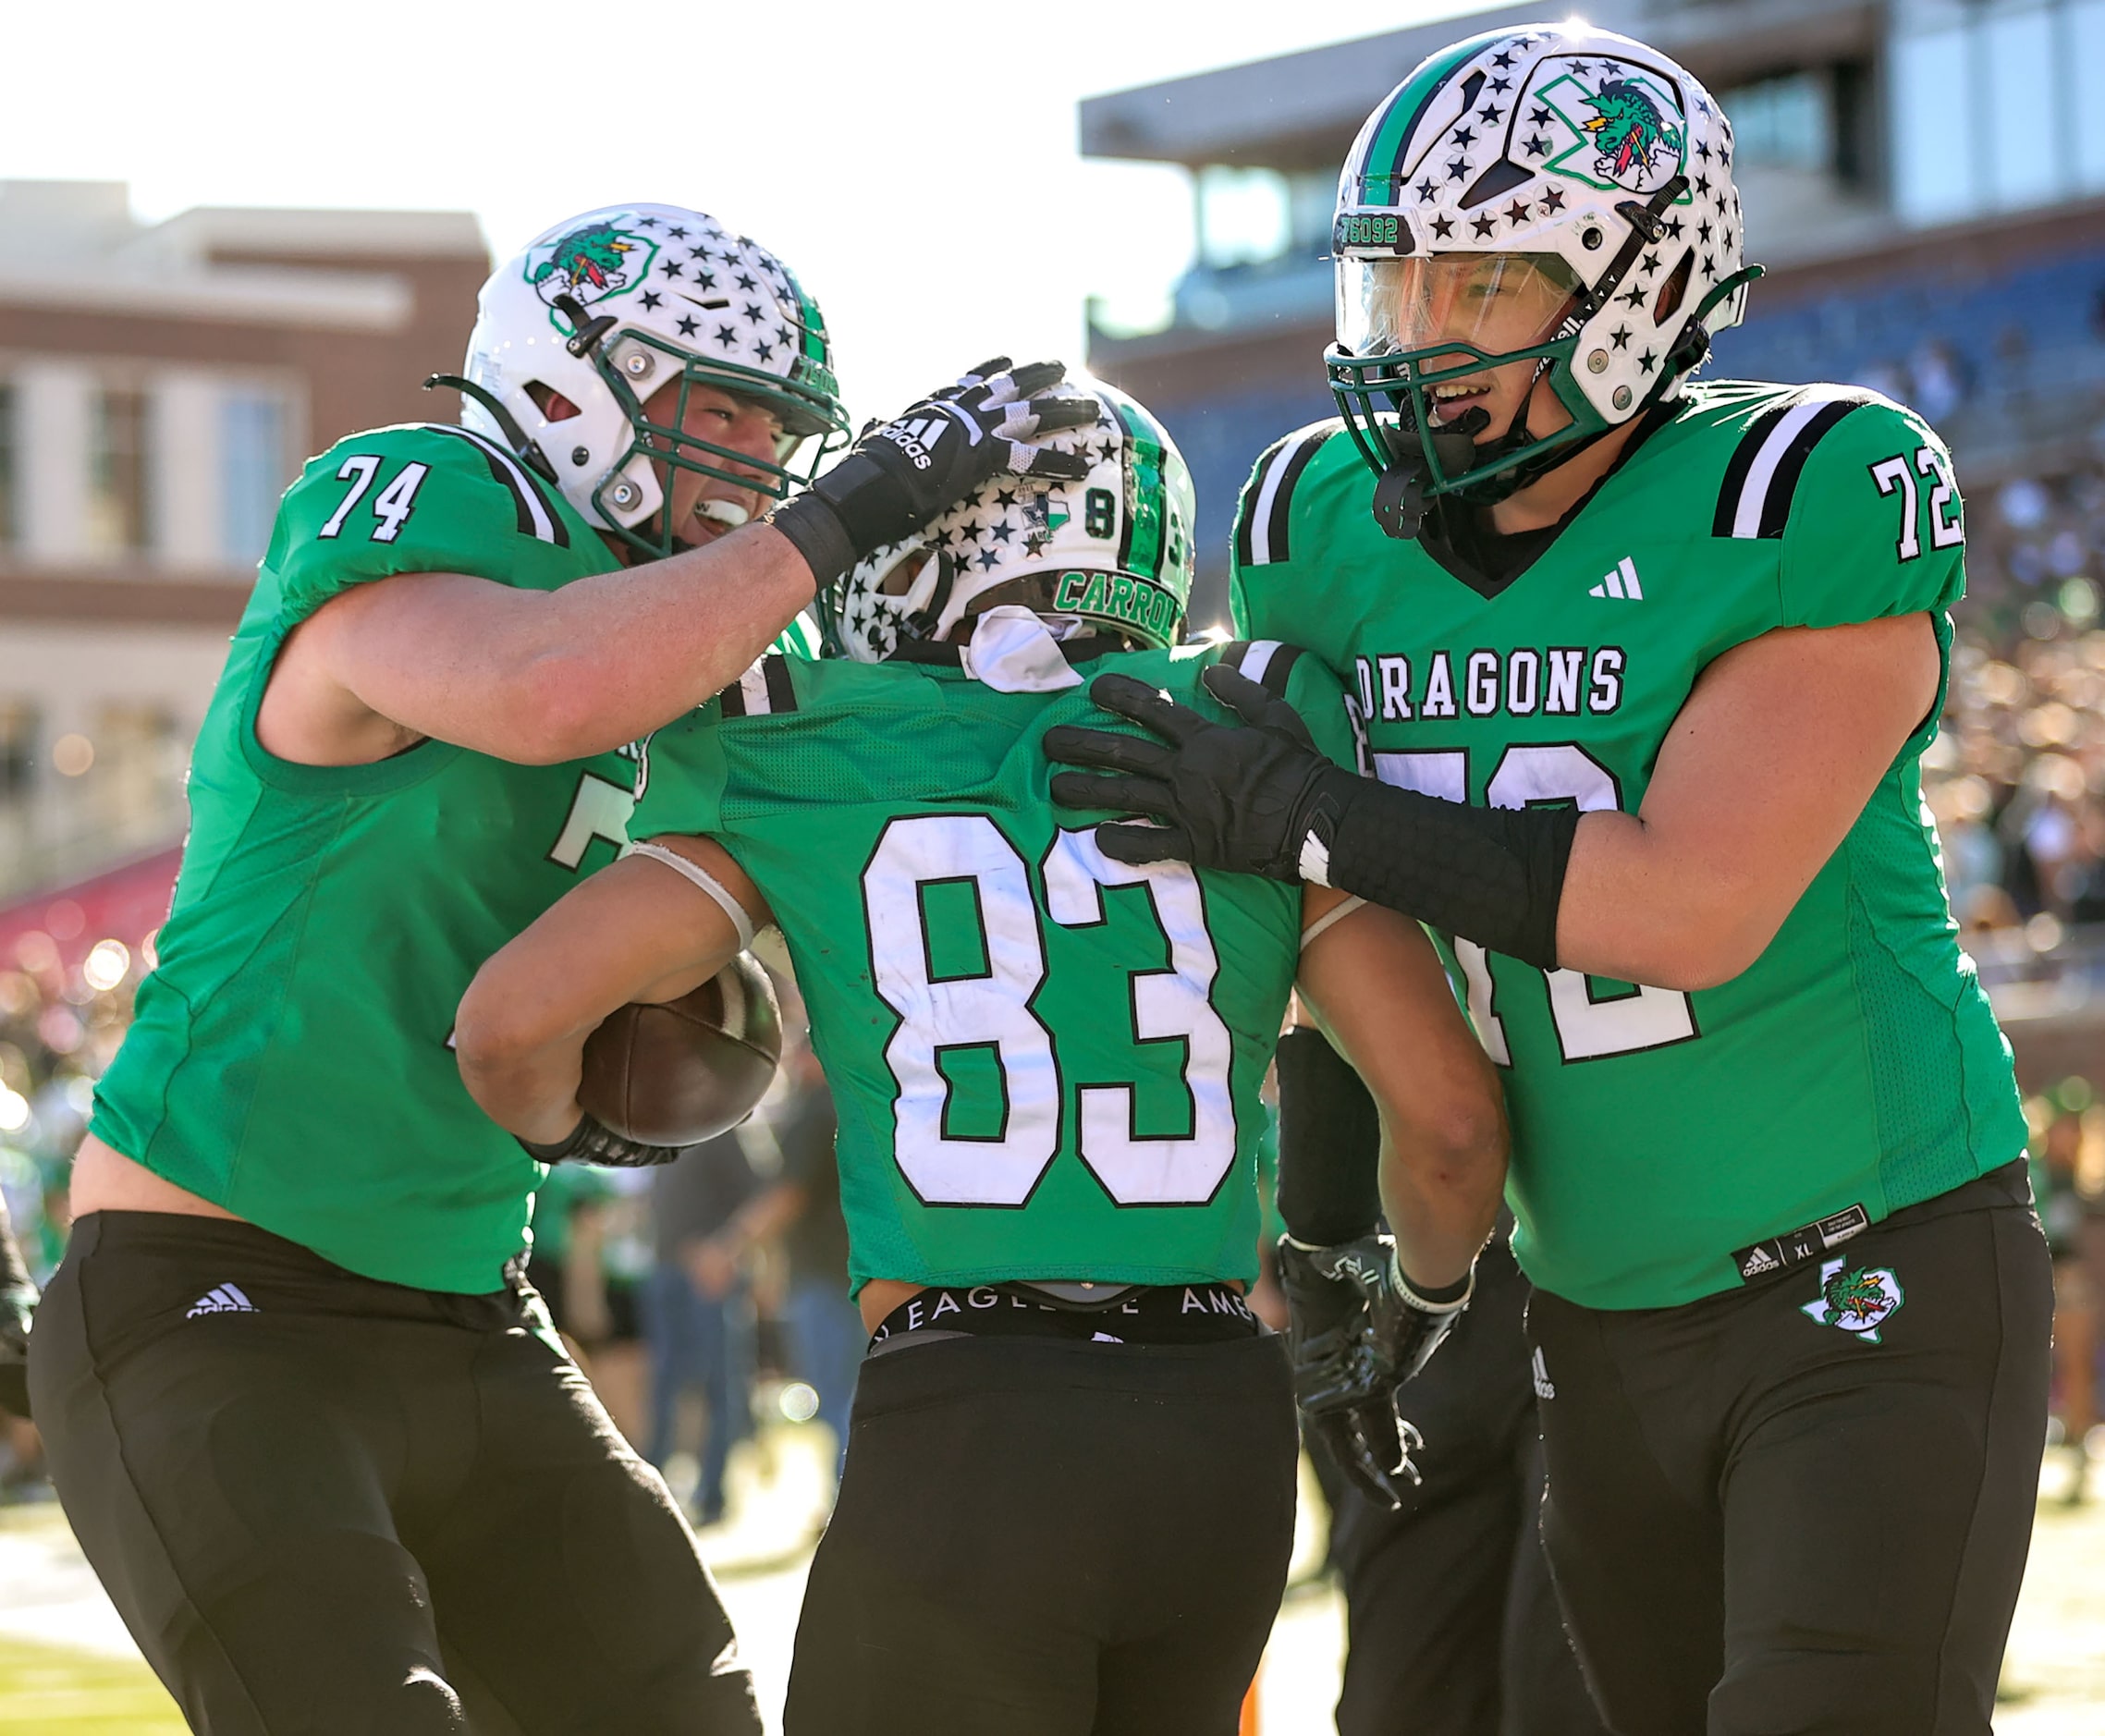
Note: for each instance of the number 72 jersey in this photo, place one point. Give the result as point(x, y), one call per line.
point(1046, 1063)
point(1661, 1137)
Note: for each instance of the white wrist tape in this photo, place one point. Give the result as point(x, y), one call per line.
point(1330, 919)
point(707, 882)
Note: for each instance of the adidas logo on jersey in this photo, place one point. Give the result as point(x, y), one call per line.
point(221, 1299)
point(915, 437)
point(1622, 583)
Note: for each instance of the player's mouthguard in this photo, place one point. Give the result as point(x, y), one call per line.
point(727, 513)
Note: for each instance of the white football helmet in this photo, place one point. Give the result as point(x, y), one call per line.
point(604, 310)
point(1570, 191)
point(1110, 553)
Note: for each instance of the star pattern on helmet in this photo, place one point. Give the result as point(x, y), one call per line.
point(1443, 227)
point(687, 325)
point(1647, 361)
point(1500, 86)
point(1490, 113)
point(1619, 338)
point(1538, 146)
point(651, 299)
point(1464, 137)
point(1634, 299)
point(1552, 199)
point(1426, 190)
point(670, 268)
point(1458, 171)
point(1517, 213)
point(1482, 226)
point(727, 336)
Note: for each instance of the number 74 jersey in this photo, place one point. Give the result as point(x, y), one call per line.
point(1046, 1063)
point(1660, 1138)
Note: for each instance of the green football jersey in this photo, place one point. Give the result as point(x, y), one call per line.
point(1661, 1139)
point(1046, 1063)
point(291, 1058)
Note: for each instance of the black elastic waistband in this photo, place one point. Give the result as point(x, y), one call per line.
point(164, 1259)
point(1146, 1314)
point(2007, 1184)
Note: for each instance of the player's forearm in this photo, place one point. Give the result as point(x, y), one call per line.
point(1640, 907)
point(622, 653)
point(530, 1092)
point(1441, 1202)
point(540, 677)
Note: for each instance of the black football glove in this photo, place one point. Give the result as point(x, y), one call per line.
point(592, 1142)
point(1249, 800)
point(1356, 1331)
point(900, 474)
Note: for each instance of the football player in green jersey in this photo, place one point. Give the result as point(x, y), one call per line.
point(310, 1430)
point(1679, 648)
point(1069, 1494)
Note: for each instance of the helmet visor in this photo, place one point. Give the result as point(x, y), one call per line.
point(1493, 304)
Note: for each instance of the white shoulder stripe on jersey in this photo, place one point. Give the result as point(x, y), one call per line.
point(752, 689)
point(1267, 525)
point(529, 495)
point(1749, 510)
point(1257, 658)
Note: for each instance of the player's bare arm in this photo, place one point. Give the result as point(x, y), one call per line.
point(636, 931)
point(540, 678)
point(537, 676)
point(1767, 767)
point(1378, 988)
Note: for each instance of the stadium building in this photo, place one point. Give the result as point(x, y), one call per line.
point(1925, 181)
point(159, 386)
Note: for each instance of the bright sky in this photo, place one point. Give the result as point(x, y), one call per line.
point(915, 165)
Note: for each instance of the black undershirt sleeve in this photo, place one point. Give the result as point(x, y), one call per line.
point(1329, 1144)
point(1494, 875)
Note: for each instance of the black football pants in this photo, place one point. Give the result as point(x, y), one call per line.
point(1046, 1538)
point(328, 1505)
point(1796, 1509)
point(1455, 1629)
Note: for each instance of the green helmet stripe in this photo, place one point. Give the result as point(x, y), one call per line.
point(1382, 166)
point(1141, 540)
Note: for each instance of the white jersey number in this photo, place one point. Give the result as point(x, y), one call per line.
point(1588, 1024)
point(993, 1011)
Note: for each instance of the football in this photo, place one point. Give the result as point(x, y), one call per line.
point(680, 1071)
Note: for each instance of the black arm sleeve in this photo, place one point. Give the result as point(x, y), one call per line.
point(1329, 1144)
point(1494, 875)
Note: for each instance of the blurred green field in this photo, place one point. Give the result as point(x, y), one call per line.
point(46, 1688)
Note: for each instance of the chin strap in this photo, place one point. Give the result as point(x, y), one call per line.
point(529, 451)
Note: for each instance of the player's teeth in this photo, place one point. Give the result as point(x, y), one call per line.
point(725, 512)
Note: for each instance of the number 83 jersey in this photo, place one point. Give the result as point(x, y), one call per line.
point(1660, 1138)
point(1046, 1063)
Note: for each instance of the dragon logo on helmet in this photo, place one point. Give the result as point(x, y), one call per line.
point(589, 264)
point(1621, 135)
point(1630, 131)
